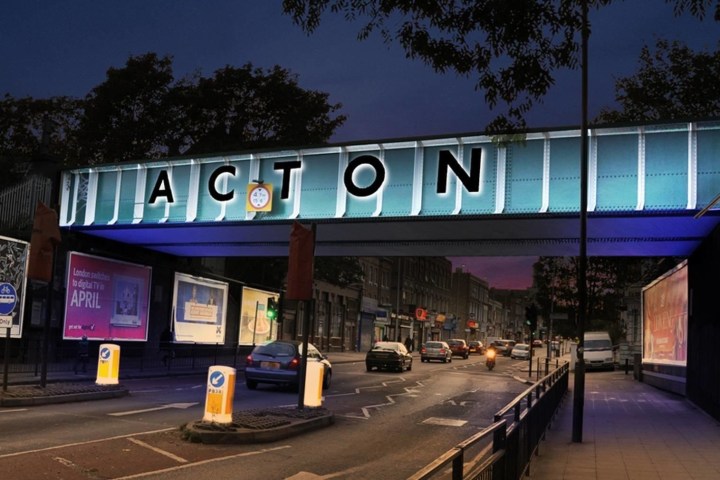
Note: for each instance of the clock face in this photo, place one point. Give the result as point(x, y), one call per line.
point(259, 196)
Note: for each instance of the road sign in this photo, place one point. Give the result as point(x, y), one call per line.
point(8, 301)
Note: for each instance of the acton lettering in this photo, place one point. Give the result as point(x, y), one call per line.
point(447, 164)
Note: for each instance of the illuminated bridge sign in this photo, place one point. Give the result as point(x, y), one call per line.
point(456, 195)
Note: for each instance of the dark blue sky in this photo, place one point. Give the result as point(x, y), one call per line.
point(64, 47)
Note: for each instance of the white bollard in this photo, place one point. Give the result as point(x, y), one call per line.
point(313, 384)
point(108, 364)
point(220, 394)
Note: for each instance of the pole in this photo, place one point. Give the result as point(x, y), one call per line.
point(579, 390)
point(257, 306)
point(397, 301)
point(6, 360)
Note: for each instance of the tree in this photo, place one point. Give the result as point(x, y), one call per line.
point(141, 111)
point(671, 83)
point(250, 108)
point(555, 283)
point(511, 48)
point(32, 128)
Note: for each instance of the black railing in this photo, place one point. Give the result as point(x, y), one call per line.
point(507, 445)
point(135, 356)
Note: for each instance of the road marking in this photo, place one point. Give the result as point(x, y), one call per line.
point(409, 392)
point(313, 476)
point(76, 444)
point(445, 422)
point(153, 409)
point(158, 450)
point(13, 410)
point(203, 462)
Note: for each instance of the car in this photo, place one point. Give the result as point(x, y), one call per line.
point(504, 346)
point(459, 347)
point(537, 343)
point(436, 351)
point(476, 346)
point(521, 350)
point(388, 356)
point(278, 362)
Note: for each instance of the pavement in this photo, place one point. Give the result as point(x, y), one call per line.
point(629, 430)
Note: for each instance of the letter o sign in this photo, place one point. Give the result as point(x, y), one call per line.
point(360, 161)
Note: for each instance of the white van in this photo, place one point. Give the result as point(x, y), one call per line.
point(598, 351)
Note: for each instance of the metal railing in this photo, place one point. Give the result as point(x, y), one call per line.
point(18, 203)
point(510, 440)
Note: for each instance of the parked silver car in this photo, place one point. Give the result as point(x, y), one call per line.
point(436, 351)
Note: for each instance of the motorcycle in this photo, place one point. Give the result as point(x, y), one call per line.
point(490, 358)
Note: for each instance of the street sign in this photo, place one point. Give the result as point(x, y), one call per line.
point(8, 301)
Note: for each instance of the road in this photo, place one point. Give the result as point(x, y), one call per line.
point(387, 425)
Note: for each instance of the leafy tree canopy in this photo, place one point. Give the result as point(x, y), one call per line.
point(511, 48)
point(141, 111)
point(555, 283)
point(673, 82)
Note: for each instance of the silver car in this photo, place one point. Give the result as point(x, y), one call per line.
point(436, 351)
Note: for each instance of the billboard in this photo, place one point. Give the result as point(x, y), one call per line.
point(199, 309)
point(14, 255)
point(255, 327)
point(665, 318)
point(106, 299)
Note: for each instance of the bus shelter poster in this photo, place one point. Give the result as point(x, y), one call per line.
point(106, 299)
point(255, 327)
point(200, 306)
point(665, 318)
point(14, 255)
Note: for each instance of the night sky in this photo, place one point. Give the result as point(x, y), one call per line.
point(64, 47)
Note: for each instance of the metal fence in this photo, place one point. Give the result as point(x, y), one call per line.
point(26, 357)
point(18, 203)
point(509, 443)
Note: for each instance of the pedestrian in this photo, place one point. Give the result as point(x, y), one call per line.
point(82, 355)
point(408, 343)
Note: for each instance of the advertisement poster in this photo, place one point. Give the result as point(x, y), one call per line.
point(106, 299)
point(200, 306)
point(14, 255)
point(665, 318)
point(255, 326)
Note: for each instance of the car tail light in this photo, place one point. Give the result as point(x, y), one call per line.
point(294, 363)
point(249, 360)
point(442, 350)
point(423, 350)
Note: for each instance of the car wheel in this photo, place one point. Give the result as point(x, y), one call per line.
point(327, 379)
point(466, 356)
point(251, 384)
point(369, 368)
point(445, 360)
point(409, 366)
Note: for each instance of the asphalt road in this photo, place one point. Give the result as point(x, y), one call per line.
point(387, 425)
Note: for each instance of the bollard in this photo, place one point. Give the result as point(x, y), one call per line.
point(220, 394)
point(108, 368)
point(313, 384)
point(627, 365)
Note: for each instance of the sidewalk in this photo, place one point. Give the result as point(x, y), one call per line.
point(630, 431)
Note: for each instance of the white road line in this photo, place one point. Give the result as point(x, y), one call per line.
point(56, 447)
point(203, 462)
point(158, 450)
point(13, 410)
point(153, 409)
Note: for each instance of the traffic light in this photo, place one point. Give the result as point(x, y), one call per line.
point(272, 309)
point(531, 316)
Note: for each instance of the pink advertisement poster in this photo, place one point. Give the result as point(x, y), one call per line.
point(106, 299)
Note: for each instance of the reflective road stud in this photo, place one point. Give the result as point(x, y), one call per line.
point(220, 393)
point(108, 364)
point(313, 384)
